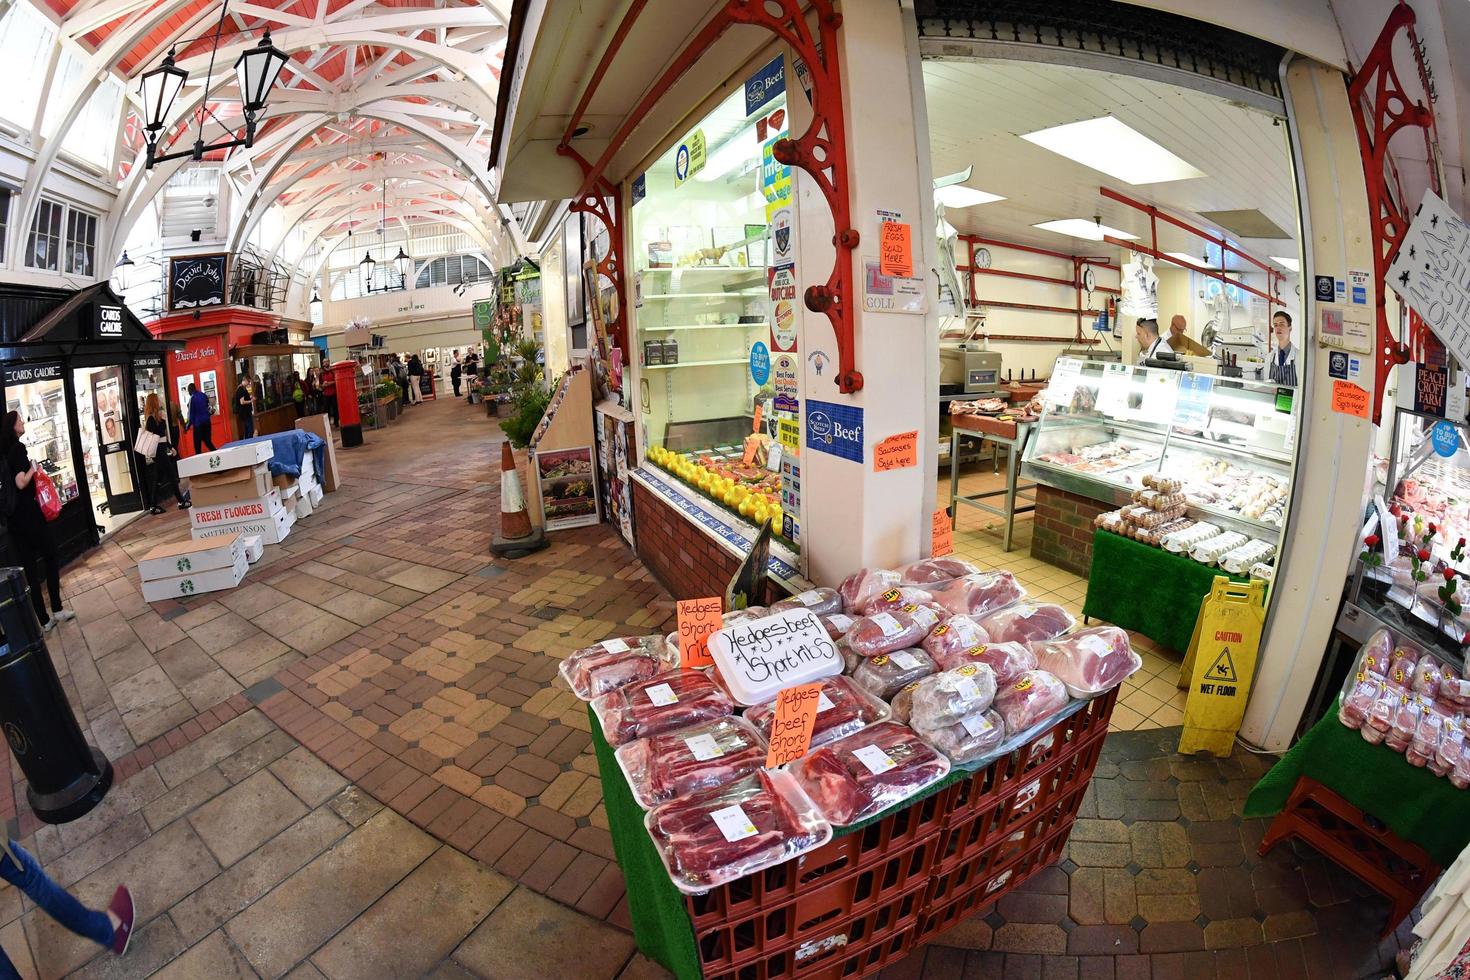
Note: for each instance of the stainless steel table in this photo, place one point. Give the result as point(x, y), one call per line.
point(1012, 437)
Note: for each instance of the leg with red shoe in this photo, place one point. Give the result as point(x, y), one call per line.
point(112, 929)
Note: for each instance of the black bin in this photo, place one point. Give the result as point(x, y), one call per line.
point(65, 776)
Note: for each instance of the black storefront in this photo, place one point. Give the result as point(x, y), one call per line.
point(78, 365)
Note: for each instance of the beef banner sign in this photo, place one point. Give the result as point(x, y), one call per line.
point(196, 281)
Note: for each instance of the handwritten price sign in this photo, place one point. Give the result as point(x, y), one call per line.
point(698, 620)
point(942, 535)
point(791, 729)
point(895, 249)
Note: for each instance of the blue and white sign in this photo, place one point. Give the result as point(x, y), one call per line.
point(1445, 438)
point(836, 430)
point(640, 188)
point(760, 363)
point(1192, 407)
point(765, 84)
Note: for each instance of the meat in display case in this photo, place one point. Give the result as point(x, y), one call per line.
point(1226, 444)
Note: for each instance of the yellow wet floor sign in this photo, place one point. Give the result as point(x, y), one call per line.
point(1221, 662)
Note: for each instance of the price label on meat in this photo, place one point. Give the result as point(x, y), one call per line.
point(791, 727)
point(698, 620)
point(760, 657)
point(733, 823)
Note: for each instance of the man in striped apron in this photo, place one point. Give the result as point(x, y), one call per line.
point(1283, 358)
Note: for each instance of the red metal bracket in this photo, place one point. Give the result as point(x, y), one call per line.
point(821, 151)
point(1075, 284)
point(1381, 108)
point(606, 205)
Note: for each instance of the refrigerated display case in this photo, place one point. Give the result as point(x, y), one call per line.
point(1230, 442)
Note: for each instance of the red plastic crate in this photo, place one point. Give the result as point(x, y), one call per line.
point(982, 891)
point(841, 857)
point(856, 947)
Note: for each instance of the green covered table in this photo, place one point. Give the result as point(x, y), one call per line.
point(1417, 805)
point(1147, 589)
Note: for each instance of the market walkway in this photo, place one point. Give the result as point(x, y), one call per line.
point(382, 640)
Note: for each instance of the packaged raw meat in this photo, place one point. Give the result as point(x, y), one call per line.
point(661, 703)
point(1380, 717)
point(864, 585)
point(1357, 699)
point(1451, 743)
point(1454, 690)
point(843, 708)
point(1005, 660)
point(593, 671)
point(953, 637)
point(1089, 661)
point(1026, 622)
point(902, 704)
point(1401, 664)
point(885, 632)
point(969, 738)
point(1460, 775)
point(850, 660)
point(886, 674)
point(1031, 698)
point(863, 774)
point(689, 760)
point(1425, 743)
point(1374, 655)
point(944, 698)
point(737, 616)
point(837, 625)
point(719, 835)
point(899, 598)
point(932, 571)
point(980, 594)
point(823, 602)
point(1405, 722)
point(1427, 674)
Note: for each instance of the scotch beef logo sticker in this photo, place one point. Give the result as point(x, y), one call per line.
point(196, 281)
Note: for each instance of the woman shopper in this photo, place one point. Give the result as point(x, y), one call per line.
point(30, 536)
point(112, 929)
point(415, 379)
point(163, 468)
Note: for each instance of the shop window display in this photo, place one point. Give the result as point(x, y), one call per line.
point(700, 238)
point(47, 439)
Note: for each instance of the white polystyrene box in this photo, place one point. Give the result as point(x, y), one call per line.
point(758, 658)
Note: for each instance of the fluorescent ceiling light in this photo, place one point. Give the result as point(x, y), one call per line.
point(732, 154)
point(1083, 228)
point(1187, 259)
point(960, 196)
point(1291, 265)
point(1112, 147)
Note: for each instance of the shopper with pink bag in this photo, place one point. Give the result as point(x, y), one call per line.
point(29, 535)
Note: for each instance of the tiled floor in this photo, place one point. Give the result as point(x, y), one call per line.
point(381, 640)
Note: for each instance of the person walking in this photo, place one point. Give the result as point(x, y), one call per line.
point(298, 394)
point(415, 379)
point(199, 419)
point(163, 468)
point(454, 374)
point(30, 536)
point(471, 370)
point(112, 929)
point(244, 408)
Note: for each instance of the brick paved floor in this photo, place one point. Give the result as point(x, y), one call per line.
point(382, 639)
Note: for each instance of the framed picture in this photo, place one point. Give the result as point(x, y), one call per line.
point(566, 480)
point(576, 304)
point(755, 245)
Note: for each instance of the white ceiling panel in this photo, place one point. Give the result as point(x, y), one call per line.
point(978, 111)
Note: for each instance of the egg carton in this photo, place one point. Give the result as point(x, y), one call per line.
point(1157, 500)
point(1237, 560)
point(1155, 536)
point(1185, 540)
point(1262, 572)
point(1162, 484)
point(1209, 552)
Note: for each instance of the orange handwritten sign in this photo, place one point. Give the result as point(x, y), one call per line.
point(755, 423)
point(896, 452)
point(791, 729)
point(943, 534)
point(1349, 399)
point(698, 620)
point(895, 249)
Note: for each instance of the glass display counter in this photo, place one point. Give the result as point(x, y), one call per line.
point(1229, 442)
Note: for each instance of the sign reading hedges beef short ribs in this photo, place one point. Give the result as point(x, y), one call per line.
point(195, 281)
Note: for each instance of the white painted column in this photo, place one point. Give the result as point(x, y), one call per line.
point(855, 516)
point(1333, 449)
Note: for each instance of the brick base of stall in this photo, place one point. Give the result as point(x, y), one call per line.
point(1062, 535)
point(688, 562)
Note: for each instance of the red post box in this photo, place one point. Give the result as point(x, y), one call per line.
point(341, 383)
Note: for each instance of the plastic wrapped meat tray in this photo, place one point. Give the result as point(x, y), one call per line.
point(885, 675)
point(953, 637)
point(1006, 660)
point(1029, 699)
point(886, 632)
point(899, 598)
point(823, 602)
point(932, 571)
point(1089, 661)
point(717, 836)
point(663, 702)
point(863, 774)
point(865, 585)
point(945, 698)
point(902, 704)
point(843, 708)
point(594, 671)
point(1027, 622)
point(837, 625)
point(690, 760)
point(979, 595)
point(969, 738)
point(1358, 697)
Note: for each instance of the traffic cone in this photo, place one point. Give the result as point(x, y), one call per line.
point(517, 538)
